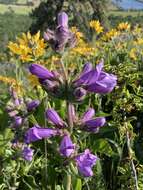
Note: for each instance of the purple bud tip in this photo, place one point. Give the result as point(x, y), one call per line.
point(85, 161)
point(40, 71)
point(66, 146)
point(18, 121)
point(27, 153)
point(32, 105)
point(63, 19)
point(88, 115)
point(94, 124)
point(54, 118)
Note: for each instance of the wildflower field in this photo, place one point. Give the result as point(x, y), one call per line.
point(71, 109)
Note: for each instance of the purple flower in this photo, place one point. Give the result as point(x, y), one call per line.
point(105, 84)
point(79, 93)
point(62, 36)
point(88, 115)
point(96, 80)
point(85, 161)
point(32, 105)
point(63, 19)
point(54, 118)
point(37, 133)
point(40, 71)
point(49, 35)
point(86, 68)
point(27, 153)
point(17, 121)
point(49, 86)
point(66, 146)
point(93, 125)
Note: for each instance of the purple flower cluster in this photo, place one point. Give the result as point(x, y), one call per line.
point(62, 36)
point(95, 79)
point(56, 84)
point(91, 80)
point(86, 160)
point(18, 112)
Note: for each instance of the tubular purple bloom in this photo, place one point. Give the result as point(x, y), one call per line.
point(86, 68)
point(63, 19)
point(17, 121)
point(88, 115)
point(32, 105)
point(40, 71)
point(86, 78)
point(96, 80)
point(94, 124)
point(37, 133)
point(54, 118)
point(66, 146)
point(85, 161)
point(48, 35)
point(27, 153)
point(105, 84)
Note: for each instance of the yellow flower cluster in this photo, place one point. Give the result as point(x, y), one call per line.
point(28, 47)
point(139, 41)
point(123, 26)
point(95, 24)
point(111, 34)
point(78, 34)
point(12, 82)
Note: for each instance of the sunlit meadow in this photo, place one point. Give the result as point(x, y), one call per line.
point(71, 110)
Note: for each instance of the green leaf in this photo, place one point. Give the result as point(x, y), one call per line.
point(103, 146)
point(78, 184)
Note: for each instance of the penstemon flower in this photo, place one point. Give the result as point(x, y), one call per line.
point(66, 146)
point(85, 161)
point(59, 84)
point(62, 36)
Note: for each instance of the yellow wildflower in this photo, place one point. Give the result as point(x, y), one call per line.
point(12, 82)
point(124, 26)
point(139, 41)
point(111, 34)
point(76, 32)
point(28, 47)
point(137, 30)
point(33, 80)
point(133, 54)
point(95, 24)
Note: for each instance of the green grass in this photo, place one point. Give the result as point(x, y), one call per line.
point(125, 13)
point(15, 8)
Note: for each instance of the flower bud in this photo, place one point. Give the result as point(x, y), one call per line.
point(94, 124)
point(32, 105)
point(63, 19)
point(17, 121)
point(88, 115)
point(54, 118)
point(66, 146)
point(27, 153)
point(40, 71)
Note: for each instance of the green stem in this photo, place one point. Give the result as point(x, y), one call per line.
point(68, 182)
point(46, 153)
point(130, 155)
point(69, 116)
